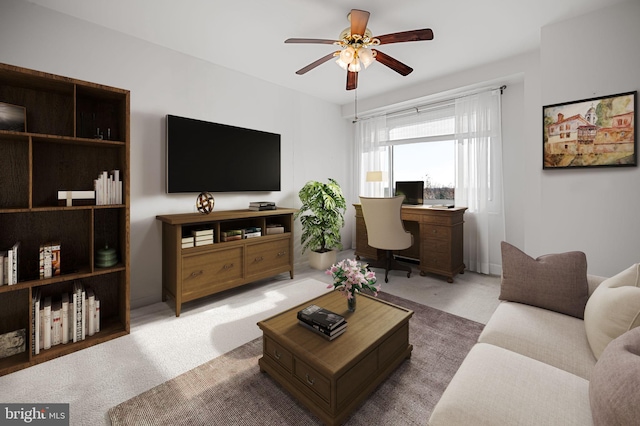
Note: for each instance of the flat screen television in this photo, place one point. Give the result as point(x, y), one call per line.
point(413, 191)
point(205, 156)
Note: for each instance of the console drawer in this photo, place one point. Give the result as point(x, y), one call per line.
point(268, 255)
point(201, 272)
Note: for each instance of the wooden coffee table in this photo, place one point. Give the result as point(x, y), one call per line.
point(332, 377)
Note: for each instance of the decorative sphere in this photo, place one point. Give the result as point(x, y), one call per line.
point(205, 202)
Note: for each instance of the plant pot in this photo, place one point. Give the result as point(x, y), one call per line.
point(322, 261)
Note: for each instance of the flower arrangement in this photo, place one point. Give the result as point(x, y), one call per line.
point(349, 277)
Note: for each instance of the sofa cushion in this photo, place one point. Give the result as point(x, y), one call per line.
point(557, 282)
point(494, 386)
point(614, 390)
point(550, 337)
point(613, 308)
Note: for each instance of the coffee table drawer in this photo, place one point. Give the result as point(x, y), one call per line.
point(280, 355)
point(313, 380)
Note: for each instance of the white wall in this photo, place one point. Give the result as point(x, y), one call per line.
point(162, 81)
point(591, 210)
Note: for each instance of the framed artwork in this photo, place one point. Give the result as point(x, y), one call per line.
point(596, 132)
point(13, 117)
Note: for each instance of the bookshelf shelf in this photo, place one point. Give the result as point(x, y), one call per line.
point(61, 149)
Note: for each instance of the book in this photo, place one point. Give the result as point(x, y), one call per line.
point(202, 233)
point(78, 317)
point(35, 339)
point(204, 238)
point(203, 242)
point(261, 204)
point(274, 230)
point(231, 232)
point(324, 333)
point(323, 330)
point(91, 311)
point(46, 257)
point(64, 299)
point(46, 329)
point(315, 315)
point(96, 318)
point(231, 237)
point(252, 234)
point(56, 322)
point(55, 259)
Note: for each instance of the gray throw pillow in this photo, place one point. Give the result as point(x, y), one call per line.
point(614, 388)
point(557, 282)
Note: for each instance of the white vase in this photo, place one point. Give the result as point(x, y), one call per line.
point(322, 261)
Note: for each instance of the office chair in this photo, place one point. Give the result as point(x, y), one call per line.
point(385, 231)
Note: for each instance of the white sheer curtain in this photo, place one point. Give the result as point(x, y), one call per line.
point(479, 179)
point(372, 151)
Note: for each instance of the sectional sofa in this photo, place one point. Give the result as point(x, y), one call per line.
point(561, 349)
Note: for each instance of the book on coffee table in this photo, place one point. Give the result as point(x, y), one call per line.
point(315, 315)
point(329, 335)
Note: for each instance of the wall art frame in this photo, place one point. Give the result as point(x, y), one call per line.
point(13, 117)
point(594, 132)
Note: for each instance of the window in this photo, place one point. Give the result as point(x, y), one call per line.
point(422, 147)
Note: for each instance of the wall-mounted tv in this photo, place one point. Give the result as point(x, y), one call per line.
point(413, 191)
point(205, 156)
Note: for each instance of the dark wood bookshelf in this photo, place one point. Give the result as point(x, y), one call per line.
point(61, 149)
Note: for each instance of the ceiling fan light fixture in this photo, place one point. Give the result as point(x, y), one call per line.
point(354, 66)
point(366, 56)
point(347, 54)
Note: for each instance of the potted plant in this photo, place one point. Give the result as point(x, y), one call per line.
point(321, 216)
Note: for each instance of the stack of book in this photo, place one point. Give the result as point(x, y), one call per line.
point(231, 235)
point(9, 265)
point(322, 321)
point(262, 205)
point(108, 188)
point(188, 242)
point(64, 318)
point(274, 228)
point(49, 260)
point(202, 237)
point(251, 232)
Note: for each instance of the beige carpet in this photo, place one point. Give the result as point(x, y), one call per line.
point(230, 390)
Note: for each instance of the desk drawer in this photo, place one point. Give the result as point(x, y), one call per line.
point(437, 232)
point(441, 261)
point(433, 245)
point(313, 380)
point(277, 353)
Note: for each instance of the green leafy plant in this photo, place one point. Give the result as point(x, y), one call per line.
point(321, 215)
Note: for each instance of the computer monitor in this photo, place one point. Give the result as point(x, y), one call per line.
point(413, 191)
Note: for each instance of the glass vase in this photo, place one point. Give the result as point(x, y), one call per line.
point(351, 303)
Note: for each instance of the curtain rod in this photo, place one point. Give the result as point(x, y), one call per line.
point(417, 108)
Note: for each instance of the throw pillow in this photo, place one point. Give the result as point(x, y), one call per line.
point(557, 282)
point(614, 388)
point(613, 308)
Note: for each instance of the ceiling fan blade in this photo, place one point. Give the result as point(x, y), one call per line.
point(392, 63)
point(309, 40)
point(359, 20)
point(352, 80)
point(415, 35)
point(314, 64)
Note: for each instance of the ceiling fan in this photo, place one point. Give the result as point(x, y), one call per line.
point(357, 42)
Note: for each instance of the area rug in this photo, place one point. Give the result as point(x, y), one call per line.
point(231, 390)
